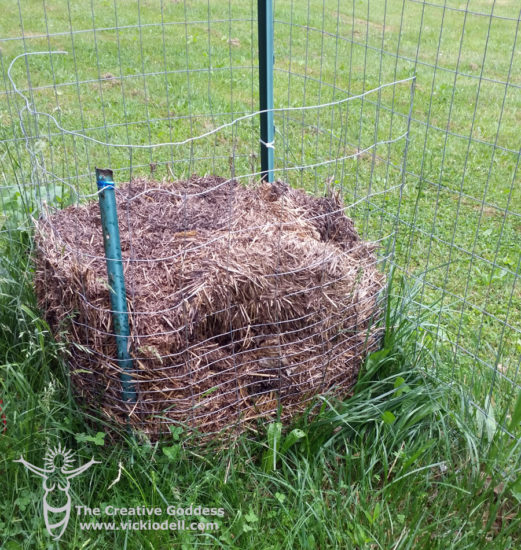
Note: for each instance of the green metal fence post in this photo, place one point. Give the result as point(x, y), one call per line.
point(118, 294)
point(266, 62)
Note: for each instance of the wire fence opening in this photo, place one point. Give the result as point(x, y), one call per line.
point(248, 298)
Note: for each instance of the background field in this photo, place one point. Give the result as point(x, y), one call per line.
point(156, 71)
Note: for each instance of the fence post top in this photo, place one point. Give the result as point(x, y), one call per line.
point(104, 178)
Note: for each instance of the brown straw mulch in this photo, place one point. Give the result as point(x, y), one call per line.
point(241, 300)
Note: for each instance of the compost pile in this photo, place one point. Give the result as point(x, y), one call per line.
point(240, 299)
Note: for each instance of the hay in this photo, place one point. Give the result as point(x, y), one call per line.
point(240, 298)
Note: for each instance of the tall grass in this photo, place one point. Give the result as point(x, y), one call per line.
point(399, 464)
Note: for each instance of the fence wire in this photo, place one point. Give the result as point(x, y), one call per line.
point(161, 91)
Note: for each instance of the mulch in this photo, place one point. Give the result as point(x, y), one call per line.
point(241, 299)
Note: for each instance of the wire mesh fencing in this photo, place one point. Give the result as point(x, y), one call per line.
point(400, 114)
point(244, 301)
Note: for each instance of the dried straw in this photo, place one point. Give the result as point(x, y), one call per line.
point(241, 300)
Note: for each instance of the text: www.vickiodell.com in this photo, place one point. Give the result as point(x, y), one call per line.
point(148, 525)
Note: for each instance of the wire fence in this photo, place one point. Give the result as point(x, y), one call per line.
point(401, 114)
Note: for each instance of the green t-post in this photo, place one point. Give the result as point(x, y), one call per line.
point(118, 294)
point(266, 62)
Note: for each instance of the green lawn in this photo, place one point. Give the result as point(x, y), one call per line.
point(164, 71)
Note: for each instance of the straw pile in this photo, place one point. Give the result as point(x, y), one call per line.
point(241, 299)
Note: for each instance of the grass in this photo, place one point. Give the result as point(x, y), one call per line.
point(398, 465)
point(356, 478)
